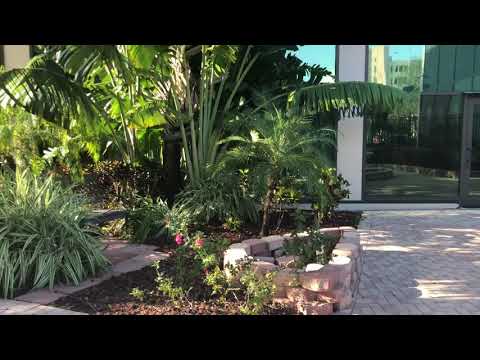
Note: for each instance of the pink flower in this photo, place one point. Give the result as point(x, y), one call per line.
point(199, 242)
point(179, 239)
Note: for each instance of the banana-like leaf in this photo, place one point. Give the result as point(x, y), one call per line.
point(44, 89)
point(350, 98)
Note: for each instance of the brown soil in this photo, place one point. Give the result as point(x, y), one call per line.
point(248, 231)
point(112, 297)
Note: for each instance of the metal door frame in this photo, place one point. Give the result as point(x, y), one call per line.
point(470, 99)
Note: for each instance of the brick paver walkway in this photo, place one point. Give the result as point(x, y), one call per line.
point(420, 262)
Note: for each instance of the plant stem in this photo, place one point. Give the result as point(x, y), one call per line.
point(267, 203)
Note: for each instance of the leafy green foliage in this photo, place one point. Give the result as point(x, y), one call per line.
point(43, 239)
point(43, 88)
point(138, 294)
point(220, 283)
point(199, 275)
point(29, 142)
point(258, 290)
point(103, 88)
point(350, 98)
point(300, 220)
point(317, 248)
point(146, 220)
point(193, 260)
point(232, 224)
point(150, 219)
point(331, 190)
point(217, 200)
point(114, 184)
point(166, 286)
point(280, 148)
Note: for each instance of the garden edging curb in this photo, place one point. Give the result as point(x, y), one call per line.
point(316, 290)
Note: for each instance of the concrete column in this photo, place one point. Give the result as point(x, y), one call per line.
point(351, 66)
point(15, 56)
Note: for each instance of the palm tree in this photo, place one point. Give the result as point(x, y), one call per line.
point(122, 85)
point(279, 145)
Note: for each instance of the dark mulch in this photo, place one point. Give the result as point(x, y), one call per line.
point(248, 231)
point(112, 297)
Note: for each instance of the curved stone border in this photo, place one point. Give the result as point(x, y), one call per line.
point(316, 290)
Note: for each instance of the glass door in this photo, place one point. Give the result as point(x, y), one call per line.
point(470, 173)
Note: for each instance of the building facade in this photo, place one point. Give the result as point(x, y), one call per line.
point(426, 153)
point(13, 56)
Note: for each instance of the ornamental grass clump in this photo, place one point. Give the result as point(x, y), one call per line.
point(44, 238)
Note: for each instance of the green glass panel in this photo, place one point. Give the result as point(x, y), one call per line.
point(446, 68)
point(413, 152)
point(464, 67)
point(476, 76)
point(475, 163)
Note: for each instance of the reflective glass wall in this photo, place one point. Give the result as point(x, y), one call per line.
point(413, 153)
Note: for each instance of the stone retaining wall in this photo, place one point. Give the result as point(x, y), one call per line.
point(315, 290)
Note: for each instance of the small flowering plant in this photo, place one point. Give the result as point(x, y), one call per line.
point(208, 251)
point(179, 239)
point(197, 258)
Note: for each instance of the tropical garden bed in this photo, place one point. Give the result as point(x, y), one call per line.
point(115, 297)
point(154, 290)
point(201, 146)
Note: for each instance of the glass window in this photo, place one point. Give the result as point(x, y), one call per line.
point(413, 153)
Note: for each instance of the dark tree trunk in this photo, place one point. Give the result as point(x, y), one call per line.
point(171, 165)
point(267, 203)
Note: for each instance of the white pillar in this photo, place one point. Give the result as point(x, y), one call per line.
point(351, 66)
point(15, 56)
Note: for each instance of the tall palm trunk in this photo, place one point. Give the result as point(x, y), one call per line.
point(171, 164)
point(267, 203)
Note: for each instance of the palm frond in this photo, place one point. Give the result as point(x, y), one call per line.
point(44, 89)
point(350, 98)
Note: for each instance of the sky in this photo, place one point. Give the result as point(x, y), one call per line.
point(323, 55)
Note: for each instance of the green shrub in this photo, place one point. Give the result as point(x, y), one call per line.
point(166, 286)
point(331, 189)
point(199, 275)
point(138, 294)
point(279, 152)
point(194, 257)
point(146, 219)
point(300, 220)
point(258, 291)
point(43, 236)
point(317, 249)
point(217, 200)
point(232, 224)
point(114, 184)
point(149, 220)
